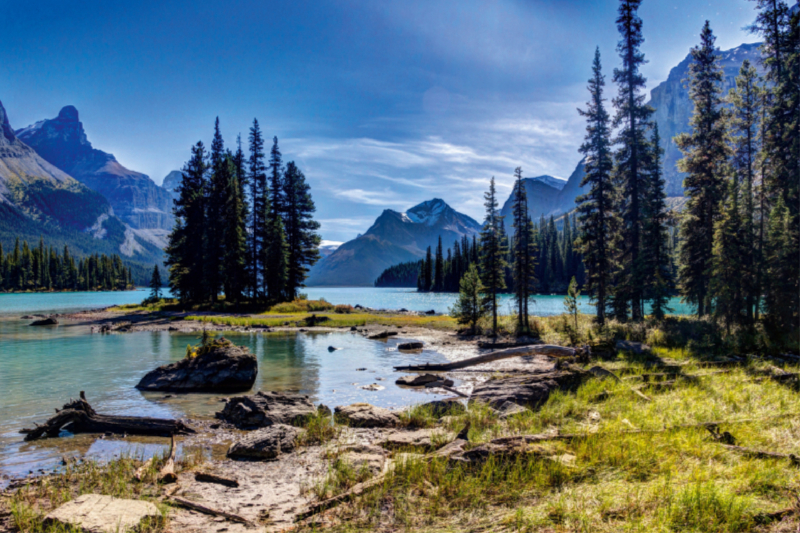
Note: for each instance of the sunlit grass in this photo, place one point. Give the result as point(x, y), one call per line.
point(328, 320)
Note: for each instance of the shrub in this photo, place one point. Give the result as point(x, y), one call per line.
point(343, 309)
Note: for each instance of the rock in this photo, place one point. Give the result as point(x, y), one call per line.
point(420, 439)
point(630, 346)
point(266, 443)
point(373, 387)
point(382, 335)
point(333, 348)
point(172, 328)
point(324, 410)
point(94, 513)
point(508, 448)
point(361, 456)
point(444, 382)
point(419, 380)
point(509, 409)
point(45, 322)
point(446, 406)
point(266, 408)
point(527, 390)
point(366, 416)
point(360, 369)
point(410, 346)
point(353, 328)
point(224, 367)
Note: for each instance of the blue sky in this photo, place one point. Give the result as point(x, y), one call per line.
point(382, 104)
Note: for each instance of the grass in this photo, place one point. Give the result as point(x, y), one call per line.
point(30, 504)
point(666, 478)
point(333, 320)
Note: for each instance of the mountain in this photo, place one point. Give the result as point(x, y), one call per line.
point(542, 201)
point(37, 199)
point(171, 182)
point(135, 198)
point(326, 248)
point(393, 238)
point(674, 108)
point(556, 183)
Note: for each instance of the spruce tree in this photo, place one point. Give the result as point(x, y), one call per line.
point(781, 264)
point(427, 271)
point(493, 252)
point(472, 304)
point(705, 158)
point(277, 257)
point(185, 248)
point(524, 262)
point(745, 101)
point(155, 284)
point(260, 207)
point(438, 269)
point(301, 229)
point(596, 209)
point(657, 277)
point(729, 253)
point(215, 201)
point(633, 119)
point(233, 230)
point(275, 186)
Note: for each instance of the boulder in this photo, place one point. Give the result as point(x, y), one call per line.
point(445, 407)
point(266, 408)
point(631, 346)
point(410, 346)
point(419, 380)
point(94, 513)
point(382, 335)
point(366, 416)
point(219, 367)
point(529, 390)
point(372, 387)
point(509, 409)
point(266, 443)
point(361, 456)
point(419, 439)
point(50, 321)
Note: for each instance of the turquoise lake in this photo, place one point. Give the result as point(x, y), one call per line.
point(41, 368)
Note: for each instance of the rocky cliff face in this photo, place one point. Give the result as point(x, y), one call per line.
point(393, 238)
point(135, 198)
point(674, 108)
point(172, 181)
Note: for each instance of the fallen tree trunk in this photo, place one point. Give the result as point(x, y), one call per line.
point(167, 472)
point(210, 511)
point(537, 349)
point(762, 454)
point(80, 417)
point(205, 477)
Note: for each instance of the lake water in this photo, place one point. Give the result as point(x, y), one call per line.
point(41, 368)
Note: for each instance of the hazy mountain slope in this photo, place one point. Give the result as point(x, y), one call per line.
point(136, 199)
point(37, 199)
point(542, 201)
point(393, 238)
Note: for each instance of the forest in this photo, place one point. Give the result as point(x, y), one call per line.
point(43, 268)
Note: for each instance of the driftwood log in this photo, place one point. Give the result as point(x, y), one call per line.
point(209, 510)
point(79, 417)
point(536, 349)
point(205, 477)
point(167, 472)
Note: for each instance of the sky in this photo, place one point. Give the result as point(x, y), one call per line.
point(381, 104)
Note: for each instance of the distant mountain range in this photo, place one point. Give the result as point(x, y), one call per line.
point(38, 199)
point(393, 238)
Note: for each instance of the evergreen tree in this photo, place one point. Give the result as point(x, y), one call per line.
point(781, 264)
point(745, 100)
point(596, 208)
point(427, 271)
point(185, 248)
point(260, 207)
point(633, 119)
point(215, 201)
point(275, 185)
point(233, 225)
point(277, 257)
point(524, 261)
point(301, 229)
point(657, 277)
point(472, 304)
point(438, 269)
point(705, 159)
point(729, 251)
point(155, 284)
point(493, 252)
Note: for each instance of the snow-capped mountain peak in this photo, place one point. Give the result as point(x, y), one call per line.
point(428, 212)
point(556, 183)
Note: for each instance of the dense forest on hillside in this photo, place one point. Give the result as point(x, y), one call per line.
point(43, 268)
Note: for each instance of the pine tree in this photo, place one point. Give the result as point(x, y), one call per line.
point(427, 271)
point(260, 207)
point(523, 265)
point(301, 229)
point(472, 304)
point(438, 269)
point(705, 158)
point(729, 251)
point(781, 263)
point(745, 100)
point(155, 284)
point(185, 248)
point(277, 257)
point(597, 241)
point(493, 252)
point(656, 263)
point(275, 185)
point(633, 118)
point(215, 201)
point(233, 224)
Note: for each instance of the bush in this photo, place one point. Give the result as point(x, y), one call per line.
point(343, 309)
point(302, 306)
